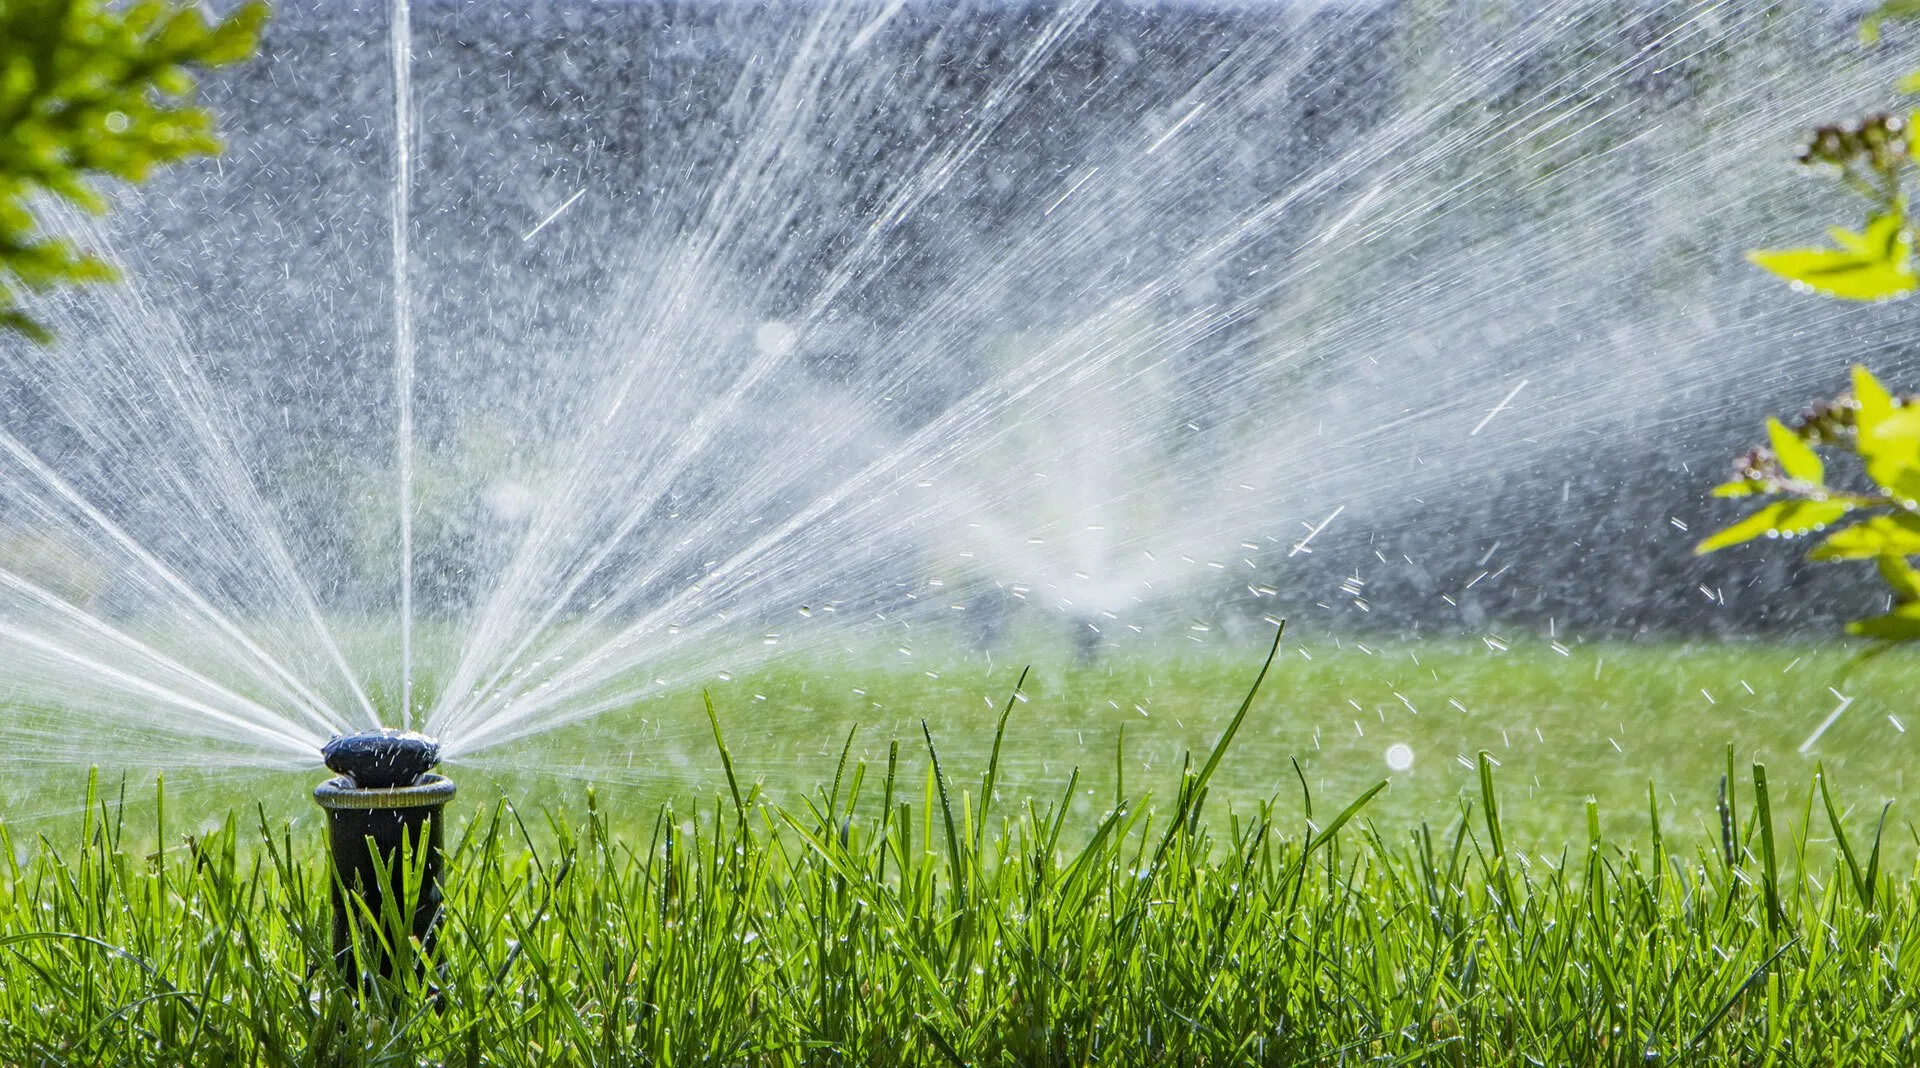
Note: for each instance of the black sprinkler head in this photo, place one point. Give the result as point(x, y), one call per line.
point(382, 811)
point(382, 759)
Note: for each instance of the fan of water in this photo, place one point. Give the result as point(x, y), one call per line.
point(583, 351)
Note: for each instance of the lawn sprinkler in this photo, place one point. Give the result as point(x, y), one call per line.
point(383, 820)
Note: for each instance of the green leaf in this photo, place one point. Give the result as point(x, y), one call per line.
point(1796, 457)
point(1879, 536)
point(1891, 9)
point(1887, 438)
point(1900, 625)
point(232, 41)
point(1836, 273)
point(1784, 518)
point(1886, 237)
point(1740, 487)
point(1908, 84)
point(1874, 400)
point(1899, 576)
point(1871, 265)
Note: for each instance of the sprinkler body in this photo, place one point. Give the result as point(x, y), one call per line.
point(384, 826)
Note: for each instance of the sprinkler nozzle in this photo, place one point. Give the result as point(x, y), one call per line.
point(381, 759)
point(384, 807)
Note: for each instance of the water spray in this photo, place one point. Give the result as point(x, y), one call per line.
point(383, 817)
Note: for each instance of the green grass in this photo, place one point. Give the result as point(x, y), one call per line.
point(1601, 720)
point(902, 915)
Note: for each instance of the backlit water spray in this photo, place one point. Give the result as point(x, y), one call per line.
point(402, 44)
point(384, 810)
point(869, 333)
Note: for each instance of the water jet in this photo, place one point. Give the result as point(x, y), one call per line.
point(950, 317)
point(384, 830)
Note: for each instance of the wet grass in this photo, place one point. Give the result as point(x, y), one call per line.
point(907, 912)
point(1562, 722)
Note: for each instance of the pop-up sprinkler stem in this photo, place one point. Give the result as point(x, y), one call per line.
point(383, 817)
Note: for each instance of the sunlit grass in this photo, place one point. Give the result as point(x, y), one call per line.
point(1562, 722)
point(897, 914)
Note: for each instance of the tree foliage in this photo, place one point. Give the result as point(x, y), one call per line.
point(1879, 521)
point(92, 91)
point(1879, 518)
point(1872, 156)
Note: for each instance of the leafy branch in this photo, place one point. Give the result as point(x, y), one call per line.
point(1875, 262)
point(1874, 157)
point(1880, 523)
point(88, 91)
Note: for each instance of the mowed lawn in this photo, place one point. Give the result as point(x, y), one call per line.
point(847, 913)
point(1563, 722)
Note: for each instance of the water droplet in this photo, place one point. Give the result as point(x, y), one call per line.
point(774, 338)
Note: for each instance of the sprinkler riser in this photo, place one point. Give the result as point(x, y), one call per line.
point(371, 831)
